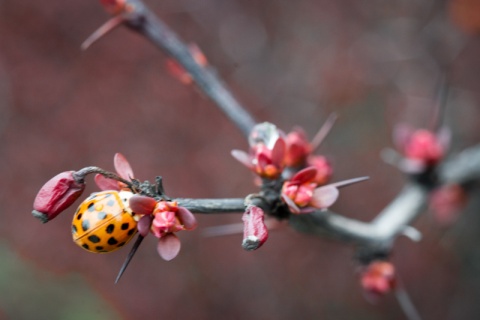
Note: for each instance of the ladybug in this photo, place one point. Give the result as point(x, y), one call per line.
point(104, 222)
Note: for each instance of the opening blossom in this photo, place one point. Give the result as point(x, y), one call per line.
point(302, 191)
point(163, 219)
point(421, 148)
point(267, 151)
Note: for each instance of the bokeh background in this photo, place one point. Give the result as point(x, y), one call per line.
point(374, 63)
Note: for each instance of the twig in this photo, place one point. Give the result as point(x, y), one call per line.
point(141, 19)
point(234, 205)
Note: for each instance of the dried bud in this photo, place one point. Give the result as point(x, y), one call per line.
point(56, 195)
point(255, 232)
point(378, 278)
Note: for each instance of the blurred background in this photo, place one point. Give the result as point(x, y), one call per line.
point(374, 63)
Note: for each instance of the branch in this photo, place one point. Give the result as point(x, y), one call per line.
point(141, 19)
point(380, 232)
point(234, 205)
point(395, 219)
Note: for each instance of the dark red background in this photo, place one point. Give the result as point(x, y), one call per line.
point(374, 63)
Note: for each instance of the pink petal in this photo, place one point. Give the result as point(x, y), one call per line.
point(105, 183)
point(122, 166)
point(278, 152)
point(263, 160)
point(444, 136)
point(304, 175)
point(300, 131)
point(242, 157)
point(144, 224)
point(168, 246)
point(401, 134)
point(411, 166)
point(324, 197)
point(291, 205)
point(187, 218)
point(142, 204)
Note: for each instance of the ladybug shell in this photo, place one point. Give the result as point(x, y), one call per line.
point(104, 222)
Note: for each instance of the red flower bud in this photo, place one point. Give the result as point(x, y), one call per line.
point(56, 195)
point(378, 278)
point(254, 230)
point(114, 6)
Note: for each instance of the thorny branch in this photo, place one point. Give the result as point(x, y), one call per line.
point(381, 232)
point(141, 19)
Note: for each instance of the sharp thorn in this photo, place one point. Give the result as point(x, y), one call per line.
point(129, 257)
point(102, 31)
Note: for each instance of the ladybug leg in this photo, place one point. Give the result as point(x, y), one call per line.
point(129, 257)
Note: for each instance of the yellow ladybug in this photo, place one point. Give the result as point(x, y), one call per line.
point(104, 222)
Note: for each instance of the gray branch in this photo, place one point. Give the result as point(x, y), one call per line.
point(395, 219)
point(145, 22)
point(391, 222)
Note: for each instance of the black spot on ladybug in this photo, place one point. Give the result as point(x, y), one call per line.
point(110, 228)
point(121, 244)
point(99, 248)
point(125, 226)
point(102, 215)
point(85, 225)
point(74, 229)
point(85, 246)
point(79, 216)
point(91, 207)
point(131, 231)
point(93, 238)
point(112, 241)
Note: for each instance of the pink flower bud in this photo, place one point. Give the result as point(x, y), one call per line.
point(378, 278)
point(298, 148)
point(255, 232)
point(424, 146)
point(447, 202)
point(113, 6)
point(324, 169)
point(56, 195)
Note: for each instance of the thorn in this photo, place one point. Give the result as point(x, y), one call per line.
point(323, 132)
point(129, 257)
point(440, 106)
point(391, 157)
point(412, 233)
point(348, 182)
point(102, 31)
